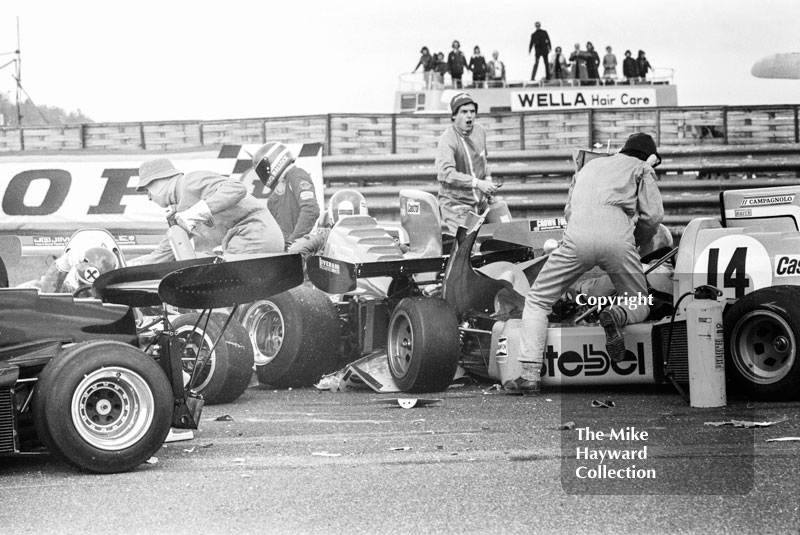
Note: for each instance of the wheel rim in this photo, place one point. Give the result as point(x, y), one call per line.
point(194, 342)
point(401, 344)
point(764, 348)
point(112, 408)
point(264, 324)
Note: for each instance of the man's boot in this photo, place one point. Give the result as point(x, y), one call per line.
point(529, 383)
point(613, 319)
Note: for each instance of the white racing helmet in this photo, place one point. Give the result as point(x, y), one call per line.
point(344, 203)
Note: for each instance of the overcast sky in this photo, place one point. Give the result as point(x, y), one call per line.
point(167, 59)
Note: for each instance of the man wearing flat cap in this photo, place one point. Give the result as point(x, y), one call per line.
point(613, 205)
point(215, 210)
point(462, 169)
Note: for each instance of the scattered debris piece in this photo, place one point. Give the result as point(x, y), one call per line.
point(400, 448)
point(325, 454)
point(745, 423)
point(176, 435)
point(207, 445)
point(152, 460)
point(495, 386)
point(607, 404)
point(408, 403)
point(783, 439)
point(189, 450)
point(224, 418)
point(569, 426)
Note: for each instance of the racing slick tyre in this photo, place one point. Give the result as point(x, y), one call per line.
point(423, 344)
point(104, 407)
point(761, 334)
point(295, 335)
point(220, 376)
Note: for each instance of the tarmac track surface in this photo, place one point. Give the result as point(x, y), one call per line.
point(480, 461)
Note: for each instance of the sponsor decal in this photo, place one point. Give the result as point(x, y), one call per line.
point(306, 195)
point(330, 267)
point(768, 200)
point(306, 185)
point(412, 207)
point(597, 98)
point(592, 360)
point(548, 224)
point(787, 265)
point(742, 213)
point(50, 241)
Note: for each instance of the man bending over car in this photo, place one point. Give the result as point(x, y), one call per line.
point(613, 205)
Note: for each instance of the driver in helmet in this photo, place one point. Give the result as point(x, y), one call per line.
point(291, 197)
point(344, 203)
point(72, 271)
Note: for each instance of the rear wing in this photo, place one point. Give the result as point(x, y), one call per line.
point(201, 283)
point(337, 276)
point(775, 209)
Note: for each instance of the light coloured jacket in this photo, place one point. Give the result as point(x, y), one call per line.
point(455, 167)
point(615, 181)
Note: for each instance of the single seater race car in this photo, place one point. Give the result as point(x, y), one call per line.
point(73, 379)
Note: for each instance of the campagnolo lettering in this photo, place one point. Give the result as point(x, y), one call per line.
point(768, 200)
point(330, 267)
point(592, 361)
point(787, 265)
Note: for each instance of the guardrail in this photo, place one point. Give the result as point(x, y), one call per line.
point(387, 133)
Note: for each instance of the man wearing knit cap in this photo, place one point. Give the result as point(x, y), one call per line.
point(614, 205)
point(465, 183)
point(215, 210)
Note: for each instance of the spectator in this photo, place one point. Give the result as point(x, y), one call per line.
point(291, 196)
point(578, 60)
point(477, 64)
point(642, 66)
point(215, 210)
point(592, 62)
point(540, 44)
point(456, 61)
point(439, 70)
point(613, 205)
point(558, 65)
point(629, 68)
point(609, 65)
point(465, 183)
point(497, 71)
point(426, 60)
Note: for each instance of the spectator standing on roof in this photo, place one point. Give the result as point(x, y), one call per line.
point(291, 196)
point(477, 64)
point(613, 205)
point(642, 66)
point(497, 71)
point(540, 44)
point(215, 210)
point(629, 68)
point(592, 62)
point(578, 60)
point(465, 183)
point(558, 65)
point(439, 70)
point(456, 62)
point(426, 61)
point(609, 65)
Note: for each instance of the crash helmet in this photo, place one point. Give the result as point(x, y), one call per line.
point(95, 262)
point(346, 202)
point(270, 161)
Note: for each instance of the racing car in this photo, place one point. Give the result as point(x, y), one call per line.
point(73, 379)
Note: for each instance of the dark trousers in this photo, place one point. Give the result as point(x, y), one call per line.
point(542, 55)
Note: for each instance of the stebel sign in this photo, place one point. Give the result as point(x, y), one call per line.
point(560, 100)
point(586, 361)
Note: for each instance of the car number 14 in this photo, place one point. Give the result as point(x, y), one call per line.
point(737, 265)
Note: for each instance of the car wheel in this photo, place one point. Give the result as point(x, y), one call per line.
point(221, 375)
point(295, 336)
point(761, 334)
point(106, 406)
point(423, 345)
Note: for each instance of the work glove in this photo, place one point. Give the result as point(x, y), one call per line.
point(189, 218)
